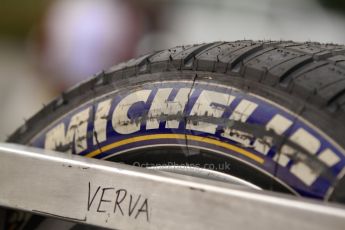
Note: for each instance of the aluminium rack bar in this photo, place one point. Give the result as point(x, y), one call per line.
point(113, 195)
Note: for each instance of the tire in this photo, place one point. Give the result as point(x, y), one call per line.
point(273, 111)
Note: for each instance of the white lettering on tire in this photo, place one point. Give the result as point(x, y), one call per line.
point(76, 132)
point(120, 121)
point(203, 107)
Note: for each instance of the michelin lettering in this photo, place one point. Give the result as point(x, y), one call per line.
point(175, 109)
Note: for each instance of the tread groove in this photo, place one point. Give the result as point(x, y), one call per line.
point(295, 68)
point(336, 97)
point(239, 59)
point(318, 65)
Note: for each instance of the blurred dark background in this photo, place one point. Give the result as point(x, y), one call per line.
point(47, 46)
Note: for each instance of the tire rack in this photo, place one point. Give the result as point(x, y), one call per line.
point(89, 191)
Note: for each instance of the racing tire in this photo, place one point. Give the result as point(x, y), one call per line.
point(274, 112)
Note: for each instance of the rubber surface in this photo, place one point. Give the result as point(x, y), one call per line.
point(310, 77)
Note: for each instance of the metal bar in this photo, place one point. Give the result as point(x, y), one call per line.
point(119, 196)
